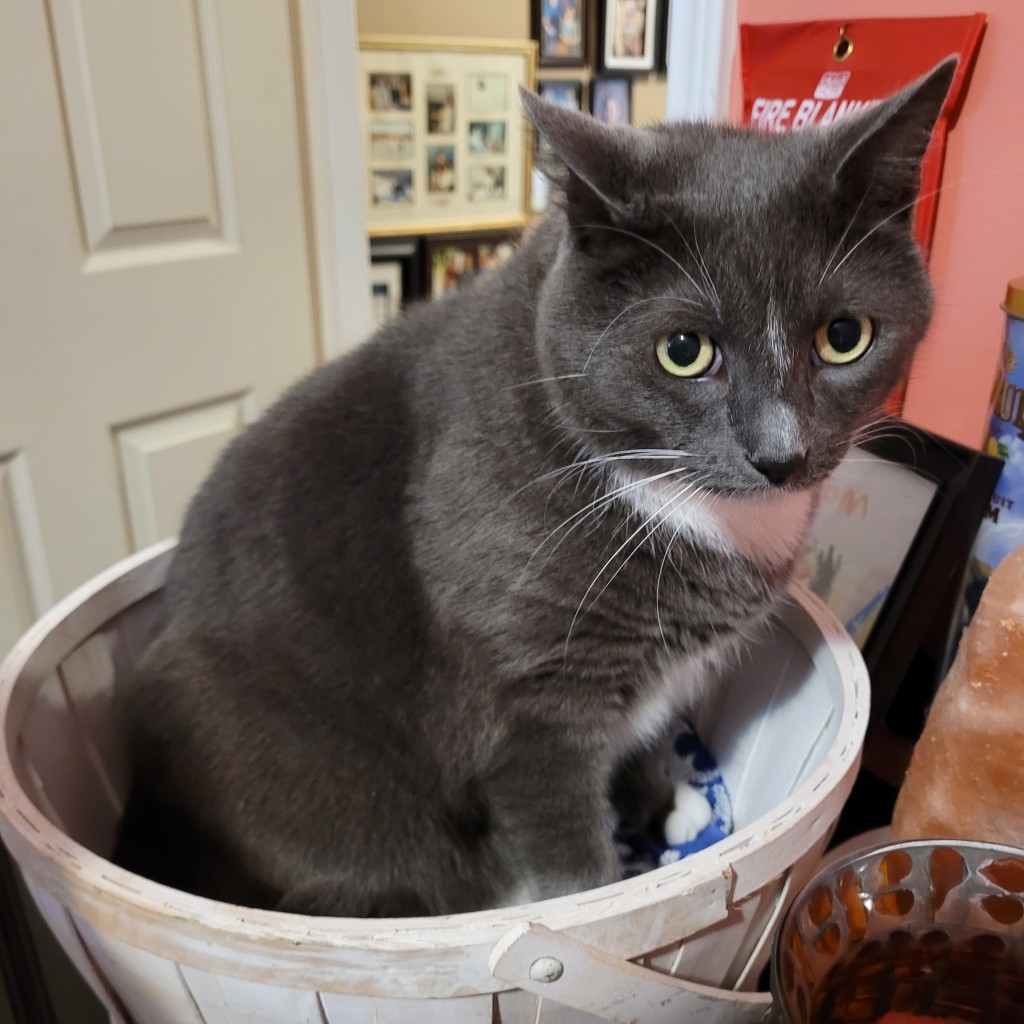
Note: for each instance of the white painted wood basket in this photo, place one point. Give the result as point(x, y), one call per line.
point(787, 731)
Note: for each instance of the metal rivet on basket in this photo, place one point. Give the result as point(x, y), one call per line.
point(546, 969)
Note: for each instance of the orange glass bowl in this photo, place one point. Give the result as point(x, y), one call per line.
point(932, 928)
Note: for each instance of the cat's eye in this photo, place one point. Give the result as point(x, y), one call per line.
point(689, 354)
point(843, 340)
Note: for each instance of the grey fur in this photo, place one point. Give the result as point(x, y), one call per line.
point(393, 677)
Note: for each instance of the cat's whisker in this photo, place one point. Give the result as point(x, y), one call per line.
point(606, 498)
point(619, 316)
point(903, 209)
point(599, 504)
point(915, 453)
point(543, 380)
point(661, 567)
point(886, 426)
point(661, 516)
point(707, 272)
point(654, 245)
point(653, 517)
point(842, 238)
point(629, 454)
point(695, 255)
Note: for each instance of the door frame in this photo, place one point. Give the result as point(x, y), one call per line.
point(327, 58)
point(702, 38)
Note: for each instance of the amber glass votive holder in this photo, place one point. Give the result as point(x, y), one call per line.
point(930, 928)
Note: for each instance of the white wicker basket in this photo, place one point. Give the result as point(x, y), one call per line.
point(787, 730)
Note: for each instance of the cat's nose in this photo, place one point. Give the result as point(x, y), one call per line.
point(778, 469)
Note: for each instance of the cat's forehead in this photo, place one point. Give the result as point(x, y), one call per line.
point(717, 169)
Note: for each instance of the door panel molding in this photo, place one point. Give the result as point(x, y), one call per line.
point(165, 458)
point(160, 187)
point(25, 590)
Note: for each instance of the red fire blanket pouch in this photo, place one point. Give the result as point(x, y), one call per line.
point(818, 72)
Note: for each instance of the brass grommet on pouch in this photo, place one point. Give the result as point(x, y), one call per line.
point(844, 44)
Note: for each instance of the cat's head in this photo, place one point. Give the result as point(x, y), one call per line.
point(748, 298)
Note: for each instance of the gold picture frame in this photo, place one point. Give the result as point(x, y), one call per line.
point(446, 139)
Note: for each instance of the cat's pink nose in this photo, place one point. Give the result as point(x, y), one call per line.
point(779, 470)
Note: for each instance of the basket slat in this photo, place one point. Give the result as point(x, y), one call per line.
point(224, 1000)
point(129, 631)
point(143, 980)
point(555, 1013)
point(54, 748)
point(59, 921)
point(701, 957)
point(465, 1010)
point(757, 947)
point(29, 780)
point(517, 1007)
point(88, 677)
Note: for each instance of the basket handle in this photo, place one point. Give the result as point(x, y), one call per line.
point(570, 972)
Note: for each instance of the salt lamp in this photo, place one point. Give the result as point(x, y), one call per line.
point(966, 776)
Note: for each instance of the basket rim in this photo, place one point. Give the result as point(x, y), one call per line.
point(23, 825)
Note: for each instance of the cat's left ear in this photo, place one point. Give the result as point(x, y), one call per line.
point(599, 163)
point(881, 150)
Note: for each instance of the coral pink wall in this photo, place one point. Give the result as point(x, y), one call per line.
point(979, 232)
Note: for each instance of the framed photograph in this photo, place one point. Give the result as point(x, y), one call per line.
point(629, 35)
point(391, 186)
point(611, 100)
point(487, 94)
point(888, 553)
point(446, 143)
point(391, 141)
point(390, 93)
point(566, 92)
point(456, 262)
point(385, 291)
point(440, 108)
point(560, 28)
point(486, 138)
point(407, 255)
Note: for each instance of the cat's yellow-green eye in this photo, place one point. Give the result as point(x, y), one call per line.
point(688, 354)
point(844, 339)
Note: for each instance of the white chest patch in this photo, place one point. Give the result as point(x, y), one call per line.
point(768, 530)
point(680, 687)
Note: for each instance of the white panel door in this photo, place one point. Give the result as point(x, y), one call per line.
point(157, 283)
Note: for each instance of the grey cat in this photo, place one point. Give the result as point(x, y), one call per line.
point(430, 612)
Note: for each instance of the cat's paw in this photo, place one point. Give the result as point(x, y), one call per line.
point(690, 816)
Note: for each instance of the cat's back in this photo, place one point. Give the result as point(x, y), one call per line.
point(306, 517)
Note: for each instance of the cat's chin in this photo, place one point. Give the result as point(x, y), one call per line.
point(767, 525)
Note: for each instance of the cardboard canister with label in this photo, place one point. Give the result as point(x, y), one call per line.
point(1002, 530)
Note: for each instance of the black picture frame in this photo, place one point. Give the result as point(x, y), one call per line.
point(611, 99)
point(409, 253)
point(557, 90)
point(632, 36)
point(560, 28)
point(661, 67)
point(480, 251)
point(906, 648)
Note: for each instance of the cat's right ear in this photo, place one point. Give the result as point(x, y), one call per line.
point(885, 146)
point(594, 165)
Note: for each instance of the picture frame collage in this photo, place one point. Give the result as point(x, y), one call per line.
point(589, 53)
point(631, 40)
point(446, 146)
